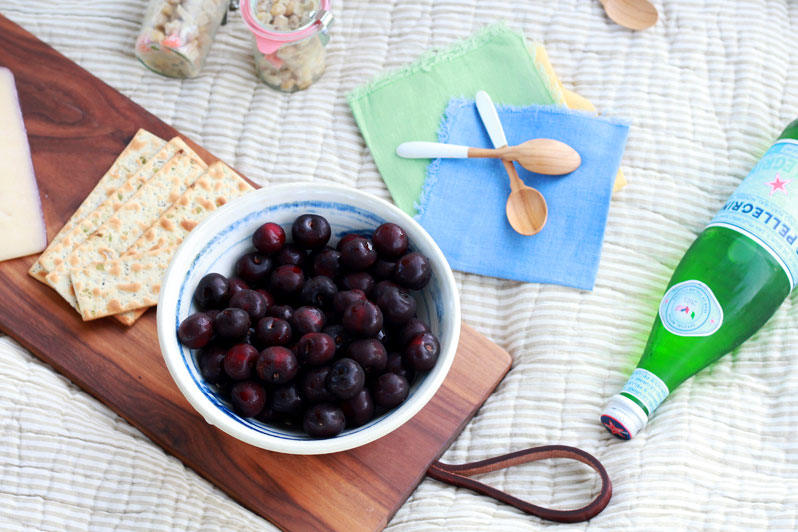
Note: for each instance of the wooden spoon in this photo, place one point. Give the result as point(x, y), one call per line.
point(632, 14)
point(542, 156)
point(526, 207)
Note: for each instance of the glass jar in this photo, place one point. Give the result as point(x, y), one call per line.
point(176, 35)
point(289, 37)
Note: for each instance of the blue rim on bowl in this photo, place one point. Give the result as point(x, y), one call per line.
point(225, 234)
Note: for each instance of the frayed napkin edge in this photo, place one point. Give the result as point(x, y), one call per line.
point(434, 56)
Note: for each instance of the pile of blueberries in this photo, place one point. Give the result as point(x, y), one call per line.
point(314, 336)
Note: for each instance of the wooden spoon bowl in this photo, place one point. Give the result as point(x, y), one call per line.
point(632, 14)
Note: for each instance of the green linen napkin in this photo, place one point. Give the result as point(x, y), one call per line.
point(408, 104)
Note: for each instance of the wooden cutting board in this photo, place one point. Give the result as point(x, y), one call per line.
point(77, 125)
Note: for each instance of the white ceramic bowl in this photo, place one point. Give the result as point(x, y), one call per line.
point(216, 243)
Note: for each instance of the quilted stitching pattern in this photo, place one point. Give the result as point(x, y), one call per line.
point(707, 90)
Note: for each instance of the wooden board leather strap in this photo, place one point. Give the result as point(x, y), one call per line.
point(458, 475)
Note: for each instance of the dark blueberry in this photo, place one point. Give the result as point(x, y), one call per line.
point(276, 365)
point(311, 231)
point(412, 271)
point(358, 281)
point(382, 269)
point(291, 254)
point(312, 386)
point(239, 363)
point(318, 292)
point(213, 291)
point(345, 239)
point(327, 262)
point(422, 352)
point(397, 365)
point(342, 300)
point(268, 238)
point(362, 317)
point(324, 420)
point(286, 401)
point(251, 302)
point(248, 398)
point(236, 285)
point(196, 331)
point(381, 287)
point(410, 330)
point(397, 305)
point(370, 354)
point(315, 348)
point(359, 409)
point(390, 240)
point(358, 254)
point(210, 360)
point(341, 337)
point(307, 320)
point(390, 390)
point(284, 312)
point(287, 280)
point(254, 268)
point(232, 323)
point(346, 378)
point(267, 297)
point(271, 331)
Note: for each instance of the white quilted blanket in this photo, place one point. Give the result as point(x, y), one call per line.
point(706, 90)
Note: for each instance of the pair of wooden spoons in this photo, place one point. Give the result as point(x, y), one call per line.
point(526, 207)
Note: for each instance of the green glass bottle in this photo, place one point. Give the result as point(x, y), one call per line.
point(729, 283)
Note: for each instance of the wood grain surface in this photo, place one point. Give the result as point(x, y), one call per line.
point(77, 125)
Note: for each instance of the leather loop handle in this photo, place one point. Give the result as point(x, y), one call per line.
point(458, 475)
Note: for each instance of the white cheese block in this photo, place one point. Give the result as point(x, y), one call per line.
point(22, 230)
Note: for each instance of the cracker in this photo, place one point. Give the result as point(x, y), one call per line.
point(212, 190)
point(138, 152)
point(57, 253)
point(126, 283)
point(130, 221)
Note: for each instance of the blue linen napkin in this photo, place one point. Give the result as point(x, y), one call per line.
point(462, 204)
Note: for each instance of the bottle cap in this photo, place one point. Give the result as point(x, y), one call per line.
point(623, 417)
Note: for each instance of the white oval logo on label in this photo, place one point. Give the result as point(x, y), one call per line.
point(690, 309)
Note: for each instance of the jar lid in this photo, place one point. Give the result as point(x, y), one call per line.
point(270, 40)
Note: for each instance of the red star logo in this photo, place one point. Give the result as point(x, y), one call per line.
point(778, 184)
point(616, 431)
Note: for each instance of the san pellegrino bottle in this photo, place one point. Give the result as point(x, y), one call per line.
point(732, 279)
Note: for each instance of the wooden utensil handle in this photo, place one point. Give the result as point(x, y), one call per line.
point(486, 153)
point(515, 181)
point(458, 475)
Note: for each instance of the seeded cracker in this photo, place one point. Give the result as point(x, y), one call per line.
point(132, 219)
point(106, 288)
point(138, 152)
point(216, 187)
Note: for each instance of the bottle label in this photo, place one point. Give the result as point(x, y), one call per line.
point(765, 206)
point(646, 388)
point(690, 309)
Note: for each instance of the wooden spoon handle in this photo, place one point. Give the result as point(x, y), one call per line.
point(486, 153)
point(515, 181)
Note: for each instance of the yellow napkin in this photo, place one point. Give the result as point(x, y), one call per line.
point(566, 97)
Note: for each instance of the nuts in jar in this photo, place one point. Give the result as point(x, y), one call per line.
point(289, 40)
point(176, 35)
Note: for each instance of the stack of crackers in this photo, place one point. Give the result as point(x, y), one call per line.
point(110, 257)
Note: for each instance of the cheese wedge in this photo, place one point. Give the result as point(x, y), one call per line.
point(22, 229)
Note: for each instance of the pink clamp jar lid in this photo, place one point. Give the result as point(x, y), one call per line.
point(269, 41)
